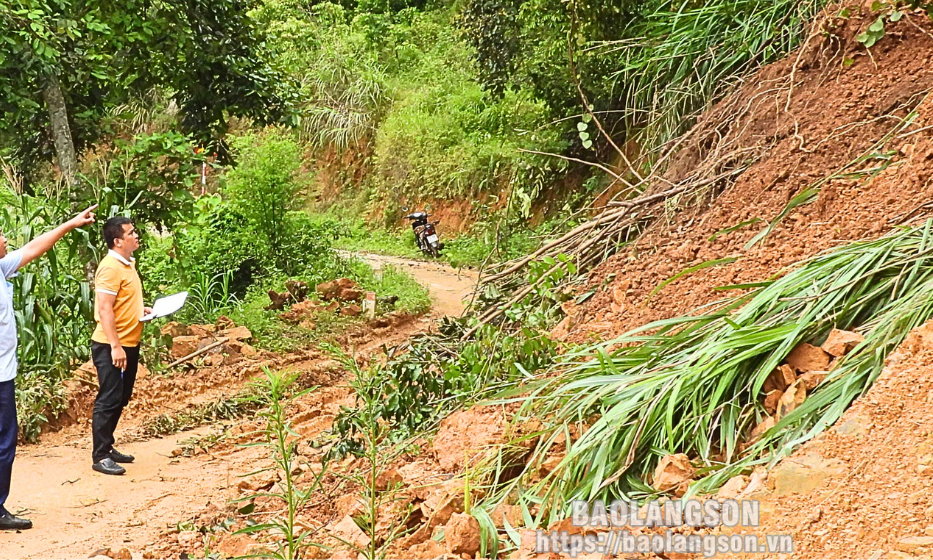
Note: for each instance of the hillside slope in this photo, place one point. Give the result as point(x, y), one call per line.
point(863, 487)
point(848, 123)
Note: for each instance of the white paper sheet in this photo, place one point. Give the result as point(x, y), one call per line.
point(164, 307)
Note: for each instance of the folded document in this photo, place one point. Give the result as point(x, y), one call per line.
point(164, 307)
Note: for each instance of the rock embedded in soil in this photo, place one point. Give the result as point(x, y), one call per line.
point(840, 343)
point(812, 379)
point(772, 399)
point(176, 329)
point(461, 534)
point(732, 488)
point(779, 379)
point(350, 532)
point(914, 544)
point(351, 310)
point(806, 358)
point(803, 475)
point(790, 400)
point(673, 474)
point(184, 345)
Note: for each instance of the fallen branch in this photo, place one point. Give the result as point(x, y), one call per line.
point(198, 353)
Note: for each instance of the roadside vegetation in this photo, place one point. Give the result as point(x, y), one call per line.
point(327, 122)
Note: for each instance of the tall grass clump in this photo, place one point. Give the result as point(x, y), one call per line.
point(692, 384)
point(676, 57)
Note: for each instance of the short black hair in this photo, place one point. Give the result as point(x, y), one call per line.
point(113, 229)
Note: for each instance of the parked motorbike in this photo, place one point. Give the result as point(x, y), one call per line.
point(425, 233)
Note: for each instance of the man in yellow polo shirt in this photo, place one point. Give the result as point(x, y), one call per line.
point(115, 342)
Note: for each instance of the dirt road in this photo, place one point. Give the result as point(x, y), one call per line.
point(78, 512)
point(449, 287)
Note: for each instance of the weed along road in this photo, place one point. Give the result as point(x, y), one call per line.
point(79, 513)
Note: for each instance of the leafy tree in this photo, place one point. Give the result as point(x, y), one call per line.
point(65, 61)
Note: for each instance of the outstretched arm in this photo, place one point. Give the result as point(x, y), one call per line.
point(38, 246)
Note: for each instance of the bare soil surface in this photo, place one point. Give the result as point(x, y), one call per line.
point(449, 287)
point(798, 120)
point(177, 481)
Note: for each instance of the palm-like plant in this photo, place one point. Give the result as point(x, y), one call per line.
point(693, 384)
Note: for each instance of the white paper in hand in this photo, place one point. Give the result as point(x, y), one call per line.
point(164, 307)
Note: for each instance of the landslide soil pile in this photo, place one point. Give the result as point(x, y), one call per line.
point(862, 489)
point(801, 120)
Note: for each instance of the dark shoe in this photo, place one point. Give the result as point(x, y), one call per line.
point(9, 522)
point(121, 457)
point(107, 466)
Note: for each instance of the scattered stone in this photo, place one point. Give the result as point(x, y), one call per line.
point(279, 300)
point(236, 333)
point(506, 512)
point(236, 546)
point(388, 479)
point(327, 290)
point(461, 535)
point(673, 474)
point(760, 429)
point(350, 532)
point(791, 399)
point(852, 425)
point(839, 343)
point(427, 549)
point(184, 345)
point(351, 310)
point(342, 289)
point(812, 379)
point(189, 538)
point(731, 489)
point(224, 322)
point(802, 475)
point(202, 331)
point(349, 505)
point(176, 329)
point(297, 289)
point(806, 358)
point(772, 399)
point(779, 379)
point(122, 554)
point(300, 311)
point(442, 503)
point(913, 544)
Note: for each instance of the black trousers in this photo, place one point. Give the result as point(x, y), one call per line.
point(116, 388)
point(8, 432)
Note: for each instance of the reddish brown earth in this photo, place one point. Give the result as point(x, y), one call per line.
point(798, 135)
point(183, 486)
point(862, 489)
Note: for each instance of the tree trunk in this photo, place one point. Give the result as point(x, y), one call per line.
point(61, 132)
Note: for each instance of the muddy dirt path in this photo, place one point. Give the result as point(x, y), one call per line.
point(77, 512)
point(449, 287)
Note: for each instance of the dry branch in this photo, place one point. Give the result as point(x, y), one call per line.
point(198, 352)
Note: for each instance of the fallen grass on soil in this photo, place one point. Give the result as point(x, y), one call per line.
point(692, 384)
point(225, 408)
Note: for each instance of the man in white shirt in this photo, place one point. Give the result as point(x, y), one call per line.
point(10, 263)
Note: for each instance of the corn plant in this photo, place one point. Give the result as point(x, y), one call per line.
point(692, 384)
point(281, 441)
point(209, 296)
point(52, 303)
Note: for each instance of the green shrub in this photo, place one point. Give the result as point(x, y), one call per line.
point(438, 374)
point(265, 185)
